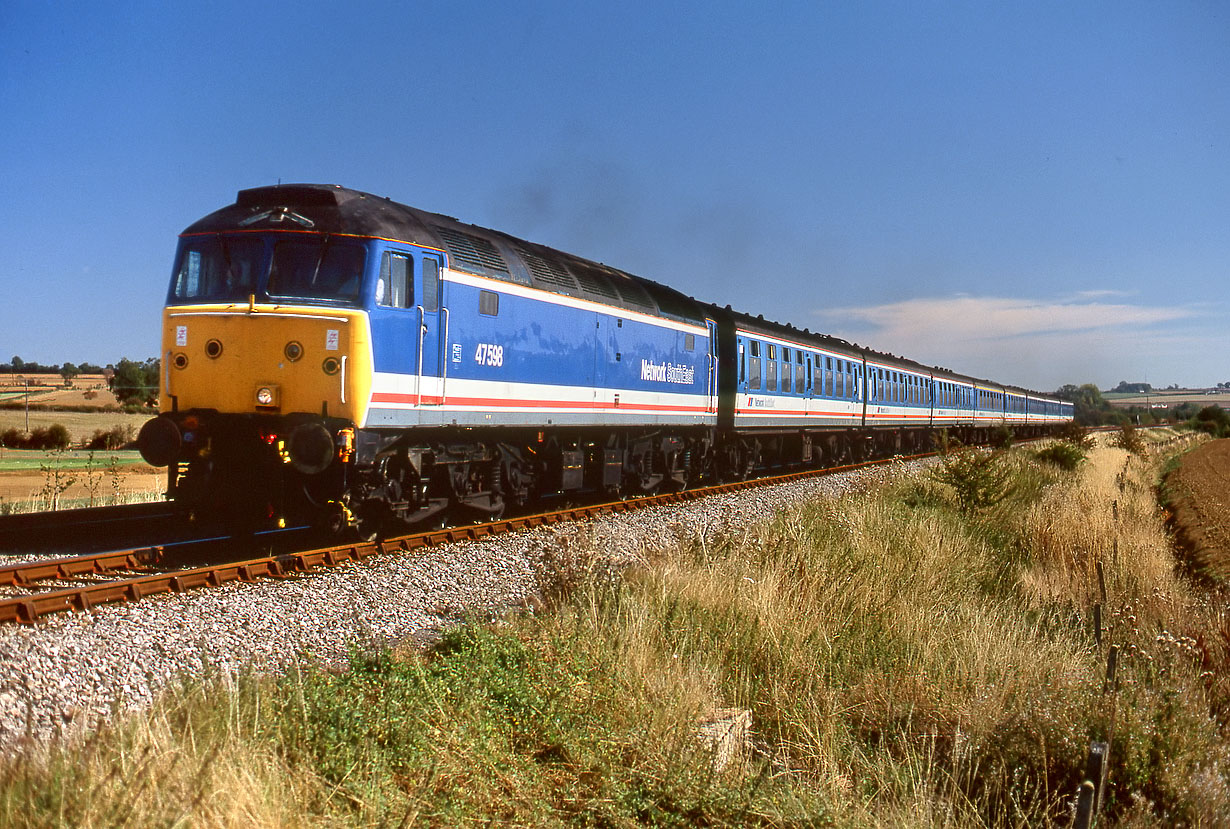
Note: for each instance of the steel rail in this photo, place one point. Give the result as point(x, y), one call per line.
point(28, 573)
point(30, 608)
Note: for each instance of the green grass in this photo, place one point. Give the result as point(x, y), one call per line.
point(16, 460)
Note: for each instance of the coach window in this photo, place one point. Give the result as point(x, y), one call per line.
point(799, 386)
point(689, 342)
point(753, 375)
point(771, 370)
point(787, 371)
point(488, 303)
point(431, 284)
point(395, 288)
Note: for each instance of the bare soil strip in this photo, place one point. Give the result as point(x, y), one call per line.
point(1199, 490)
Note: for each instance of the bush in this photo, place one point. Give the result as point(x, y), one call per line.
point(1064, 454)
point(981, 479)
point(1076, 434)
point(1129, 439)
point(1214, 420)
point(54, 436)
point(12, 438)
point(117, 437)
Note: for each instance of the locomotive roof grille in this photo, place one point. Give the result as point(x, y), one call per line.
point(547, 271)
point(474, 251)
point(593, 281)
point(631, 291)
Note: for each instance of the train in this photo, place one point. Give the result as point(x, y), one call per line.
point(334, 357)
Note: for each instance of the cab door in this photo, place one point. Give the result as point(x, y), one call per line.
point(433, 330)
point(395, 318)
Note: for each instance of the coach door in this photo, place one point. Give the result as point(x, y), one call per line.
point(433, 331)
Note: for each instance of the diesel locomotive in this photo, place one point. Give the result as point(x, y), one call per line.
point(336, 357)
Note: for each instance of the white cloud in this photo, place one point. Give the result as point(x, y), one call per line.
point(1084, 337)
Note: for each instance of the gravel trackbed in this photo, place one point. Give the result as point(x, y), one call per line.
point(72, 672)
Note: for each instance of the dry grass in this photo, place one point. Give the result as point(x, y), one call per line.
point(906, 662)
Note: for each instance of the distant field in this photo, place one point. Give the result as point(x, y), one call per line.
point(48, 390)
point(19, 460)
point(28, 478)
point(1170, 398)
point(80, 425)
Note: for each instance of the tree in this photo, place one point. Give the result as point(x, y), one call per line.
point(68, 371)
point(135, 383)
point(1091, 408)
point(16, 363)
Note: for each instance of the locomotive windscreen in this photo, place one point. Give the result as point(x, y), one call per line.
point(211, 269)
point(221, 268)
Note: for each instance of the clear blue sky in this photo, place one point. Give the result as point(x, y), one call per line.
point(1036, 192)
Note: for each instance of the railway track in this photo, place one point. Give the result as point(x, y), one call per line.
point(79, 583)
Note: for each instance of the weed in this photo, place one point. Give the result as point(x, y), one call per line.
point(1128, 437)
point(56, 481)
point(980, 479)
point(1063, 454)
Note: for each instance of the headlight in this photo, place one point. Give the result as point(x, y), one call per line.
point(293, 351)
point(180, 360)
point(331, 365)
point(213, 349)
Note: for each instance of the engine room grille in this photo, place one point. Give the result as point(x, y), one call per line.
point(593, 281)
point(546, 271)
point(474, 251)
point(630, 290)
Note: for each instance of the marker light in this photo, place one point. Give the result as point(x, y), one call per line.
point(264, 396)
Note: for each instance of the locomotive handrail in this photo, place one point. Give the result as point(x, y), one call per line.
point(444, 354)
point(418, 377)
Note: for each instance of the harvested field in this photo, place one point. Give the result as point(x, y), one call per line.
point(1199, 494)
point(80, 425)
point(30, 480)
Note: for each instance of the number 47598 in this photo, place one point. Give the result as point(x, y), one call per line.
point(489, 354)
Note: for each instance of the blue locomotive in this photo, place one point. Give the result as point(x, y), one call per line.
point(330, 354)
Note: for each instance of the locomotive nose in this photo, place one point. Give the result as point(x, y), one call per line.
point(159, 441)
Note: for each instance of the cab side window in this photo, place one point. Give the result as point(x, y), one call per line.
point(395, 288)
point(431, 284)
